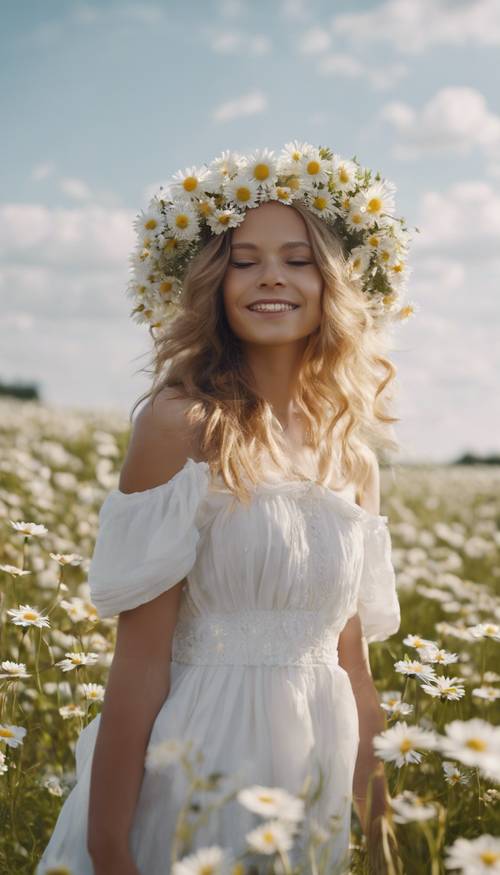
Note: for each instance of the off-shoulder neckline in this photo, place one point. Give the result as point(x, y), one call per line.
point(350, 508)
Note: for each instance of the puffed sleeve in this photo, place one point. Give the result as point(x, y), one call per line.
point(146, 541)
point(378, 604)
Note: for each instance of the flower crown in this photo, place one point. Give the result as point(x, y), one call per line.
point(199, 203)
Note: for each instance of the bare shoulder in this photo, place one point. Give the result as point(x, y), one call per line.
point(161, 441)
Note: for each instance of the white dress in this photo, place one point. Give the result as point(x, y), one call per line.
point(255, 680)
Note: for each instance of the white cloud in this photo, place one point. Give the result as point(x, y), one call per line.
point(410, 26)
point(342, 64)
point(76, 189)
point(455, 118)
point(230, 42)
point(464, 220)
point(248, 104)
point(313, 41)
point(42, 170)
point(295, 10)
point(232, 8)
point(88, 236)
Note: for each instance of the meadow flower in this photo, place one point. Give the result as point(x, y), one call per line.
point(418, 642)
point(453, 775)
point(14, 571)
point(25, 615)
point(92, 692)
point(71, 710)
point(75, 660)
point(14, 670)
point(78, 609)
point(29, 530)
point(437, 655)
point(242, 192)
point(270, 837)
point(445, 687)
point(487, 693)
point(182, 221)
point(53, 785)
point(206, 861)
point(474, 856)
point(67, 558)
point(391, 702)
point(260, 167)
point(414, 668)
point(221, 220)
point(485, 630)
point(473, 742)
point(188, 183)
point(12, 735)
point(272, 802)
point(408, 807)
point(399, 743)
point(162, 754)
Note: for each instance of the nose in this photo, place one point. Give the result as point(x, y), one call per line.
point(271, 274)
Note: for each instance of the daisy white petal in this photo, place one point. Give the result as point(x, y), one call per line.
point(270, 837)
point(474, 856)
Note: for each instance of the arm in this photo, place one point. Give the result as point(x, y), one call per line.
point(369, 775)
point(139, 677)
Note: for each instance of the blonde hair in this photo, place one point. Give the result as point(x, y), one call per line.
point(341, 388)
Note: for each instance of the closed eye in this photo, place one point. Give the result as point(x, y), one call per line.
point(251, 263)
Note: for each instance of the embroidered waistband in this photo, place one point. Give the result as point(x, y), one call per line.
point(255, 637)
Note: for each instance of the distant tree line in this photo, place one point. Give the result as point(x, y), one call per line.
point(24, 391)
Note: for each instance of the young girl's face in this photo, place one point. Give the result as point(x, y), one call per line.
point(271, 259)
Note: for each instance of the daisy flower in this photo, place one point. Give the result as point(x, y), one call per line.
point(25, 615)
point(74, 660)
point(221, 169)
point(182, 221)
point(399, 743)
point(242, 191)
point(67, 558)
point(344, 174)
point(314, 170)
point(439, 656)
point(358, 261)
point(162, 754)
point(356, 219)
point(377, 201)
point(292, 156)
point(14, 571)
point(12, 735)
point(409, 807)
point(445, 687)
point(29, 529)
point(14, 670)
point(321, 202)
point(489, 694)
point(189, 183)
point(71, 710)
point(474, 856)
point(79, 609)
point(261, 167)
point(415, 668)
point(148, 223)
point(272, 802)
point(167, 287)
point(391, 702)
point(221, 220)
point(283, 193)
point(92, 692)
point(472, 742)
point(206, 861)
point(485, 630)
point(453, 775)
point(270, 837)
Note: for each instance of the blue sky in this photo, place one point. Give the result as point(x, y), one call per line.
point(103, 101)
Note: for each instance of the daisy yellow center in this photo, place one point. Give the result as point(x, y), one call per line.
point(151, 224)
point(356, 218)
point(489, 858)
point(296, 156)
point(224, 219)
point(75, 660)
point(385, 255)
point(268, 836)
point(207, 869)
point(357, 262)
point(6, 733)
point(343, 175)
point(182, 221)
point(261, 172)
point(282, 192)
point(265, 798)
point(346, 203)
point(397, 268)
point(476, 744)
point(320, 202)
point(165, 287)
point(170, 244)
point(190, 183)
point(313, 168)
point(238, 869)
point(405, 745)
point(374, 205)
point(30, 615)
point(373, 241)
point(243, 193)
